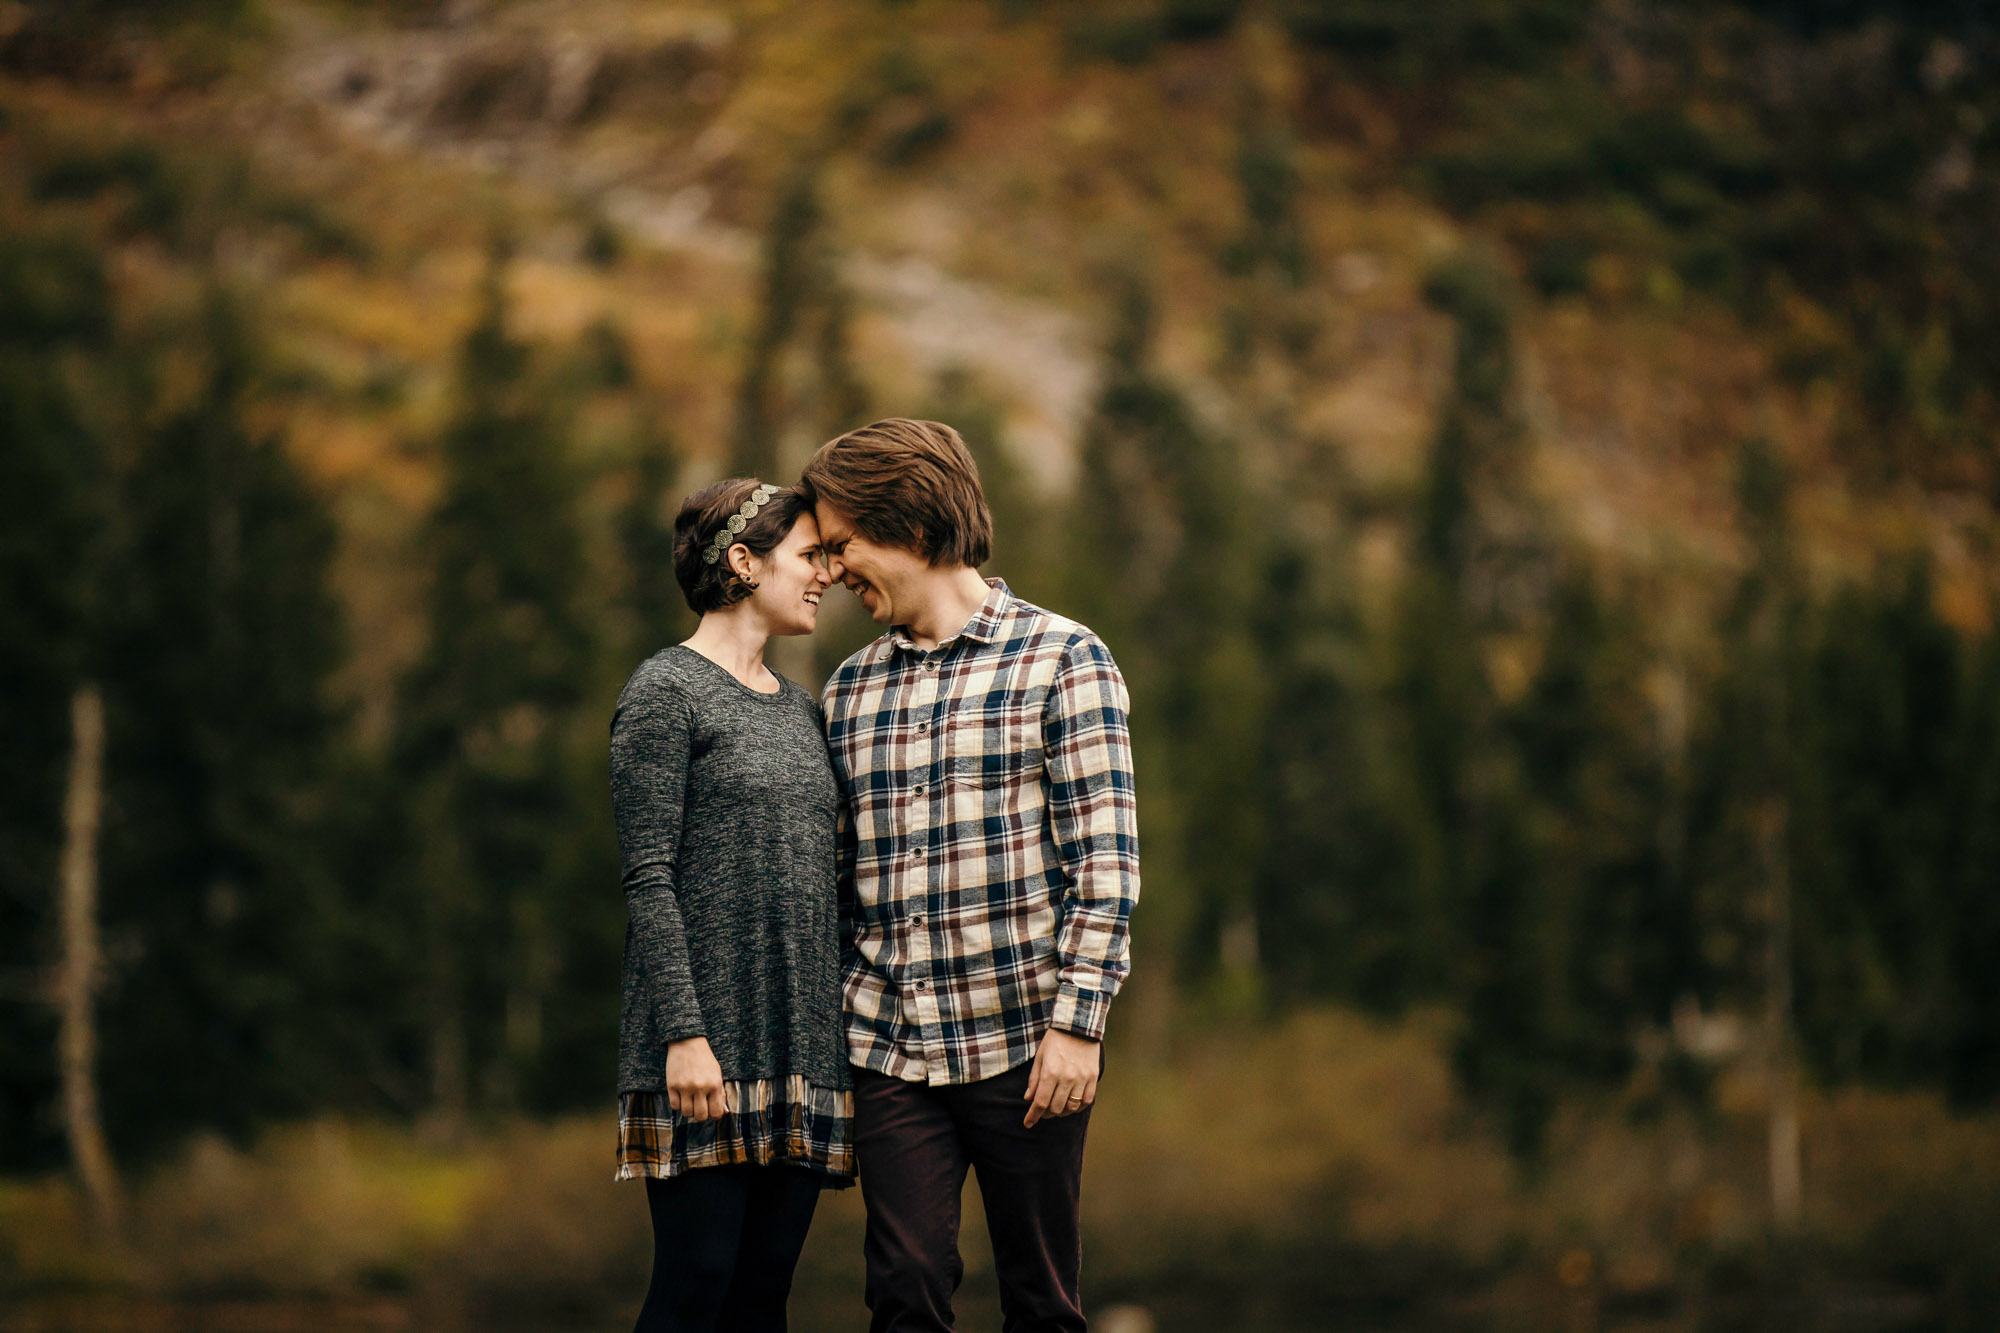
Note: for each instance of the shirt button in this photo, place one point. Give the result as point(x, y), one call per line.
point(923, 985)
point(917, 920)
point(917, 790)
point(930, 666)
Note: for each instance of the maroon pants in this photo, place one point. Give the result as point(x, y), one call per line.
point(914, 1143)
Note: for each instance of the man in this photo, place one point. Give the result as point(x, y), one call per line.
point(988, 865)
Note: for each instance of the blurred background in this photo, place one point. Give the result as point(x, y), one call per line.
point(1534, 460)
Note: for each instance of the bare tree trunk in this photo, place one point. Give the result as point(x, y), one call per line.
point(1787, 1188)
point(80, 968)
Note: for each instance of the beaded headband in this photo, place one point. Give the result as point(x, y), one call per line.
point(726, 537)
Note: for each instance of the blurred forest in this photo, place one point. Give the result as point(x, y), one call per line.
point(1534, 460)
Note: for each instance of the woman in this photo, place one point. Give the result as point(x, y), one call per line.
point(734, 1102)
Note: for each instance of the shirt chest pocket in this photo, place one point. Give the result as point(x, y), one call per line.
point(994, 748)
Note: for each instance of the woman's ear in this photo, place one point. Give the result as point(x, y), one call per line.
point(741, 562)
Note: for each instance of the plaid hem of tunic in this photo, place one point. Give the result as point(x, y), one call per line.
point(768, 1121)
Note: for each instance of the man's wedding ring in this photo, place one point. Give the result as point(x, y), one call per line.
point(1076, 1101)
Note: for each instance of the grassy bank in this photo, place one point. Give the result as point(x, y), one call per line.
point(1313, 1175)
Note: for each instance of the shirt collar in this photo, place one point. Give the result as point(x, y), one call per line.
point(984, 627)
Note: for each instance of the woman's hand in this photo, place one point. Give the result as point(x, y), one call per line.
point(694, 1080)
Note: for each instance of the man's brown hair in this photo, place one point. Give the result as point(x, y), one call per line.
point(906, 483)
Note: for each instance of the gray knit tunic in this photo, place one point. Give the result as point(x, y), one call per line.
point(725, 804)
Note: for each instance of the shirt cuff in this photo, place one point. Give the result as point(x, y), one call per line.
point(1081, 1013)
point(673, 1029)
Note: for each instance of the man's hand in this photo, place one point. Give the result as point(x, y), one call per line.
point(694, 1080)
point(1064, 1079)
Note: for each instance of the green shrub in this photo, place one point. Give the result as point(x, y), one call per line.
point(326, 235)
point(1127, 37)
point(1680, 171)
point(1561, 265)
point(52, 289)
point(1194, 20)
point(1543, 163)
point(603, 247)
point(1431, 38)
point(154, 193)
point(913, 136)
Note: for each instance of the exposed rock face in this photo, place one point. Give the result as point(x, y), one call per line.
point(525, 98)
point(467, 85)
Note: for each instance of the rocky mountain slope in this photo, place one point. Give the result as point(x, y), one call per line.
point(977, 170)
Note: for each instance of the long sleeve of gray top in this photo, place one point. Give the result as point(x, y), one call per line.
point(650, 748)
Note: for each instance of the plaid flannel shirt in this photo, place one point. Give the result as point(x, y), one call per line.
point(988, 858)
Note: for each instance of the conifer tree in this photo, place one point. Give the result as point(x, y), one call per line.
point(1160, 566)
point(1607, 924)
point(1480, 927)
point(1884, 717)
point(1439, 686)
point(221, 637)
point(800, 384)
point(1972, 1046)
point(486, 722)
point(54, 474)
point(1331, 847)
point(1753, 758)
point(655, 610)
point(1020, 550)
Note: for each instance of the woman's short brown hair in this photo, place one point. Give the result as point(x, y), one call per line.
point(906, 483)
point(712, 586)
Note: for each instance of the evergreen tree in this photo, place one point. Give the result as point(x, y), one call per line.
point(656, 612)
point(488, 721)
point(1883, 719)
point(1020, 528)
point(1972, 1043)
point(1610, 922)
point(1440, 688)
point(221, 637)
point(1750, 831)
point(1160, 562)
point(1481, 925)
point(55, 324)
point(1332, 849)
point(800, 384)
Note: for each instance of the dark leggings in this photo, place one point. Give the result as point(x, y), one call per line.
point(725, 1242)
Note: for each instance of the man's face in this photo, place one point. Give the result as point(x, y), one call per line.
point(881, 576)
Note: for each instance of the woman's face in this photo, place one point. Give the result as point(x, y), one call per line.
point(791, 579)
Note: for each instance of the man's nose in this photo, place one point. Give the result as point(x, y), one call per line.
point(836, 569)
